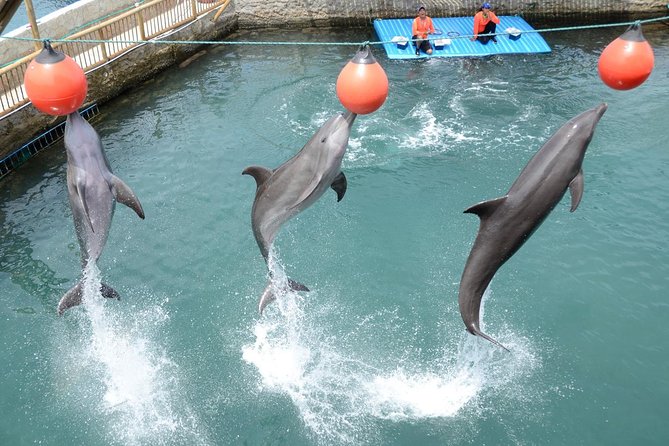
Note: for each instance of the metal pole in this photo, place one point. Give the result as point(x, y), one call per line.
point(33, 23)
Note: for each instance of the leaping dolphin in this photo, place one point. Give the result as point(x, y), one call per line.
point(296, 184)
point(507, 222)
point(93, 191)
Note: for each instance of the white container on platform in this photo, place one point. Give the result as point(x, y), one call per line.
point(440, 44)
point(514, 33)
point(401, 42)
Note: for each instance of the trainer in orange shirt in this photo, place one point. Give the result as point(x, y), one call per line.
point(422, 26)
point(485, 24)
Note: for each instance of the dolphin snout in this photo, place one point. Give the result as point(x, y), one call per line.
point(349, 117)
point(600, 110)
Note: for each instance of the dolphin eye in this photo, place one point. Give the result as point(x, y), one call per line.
point(324, 139)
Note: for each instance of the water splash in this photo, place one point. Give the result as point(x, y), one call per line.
point(343, 395)
point(454, 383)
point(125, 378)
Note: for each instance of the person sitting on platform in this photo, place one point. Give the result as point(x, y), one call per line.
point(422, 26)
point(485, 24)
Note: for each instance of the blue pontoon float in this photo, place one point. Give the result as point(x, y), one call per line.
point(448, 42)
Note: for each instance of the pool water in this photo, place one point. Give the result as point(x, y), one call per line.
point(376, 353)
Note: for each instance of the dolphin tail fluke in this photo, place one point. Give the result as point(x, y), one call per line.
point(75, 295)
point(477, 332)
point(269, 295)
point(70, 299)
point(109, 292)
point(297, 286)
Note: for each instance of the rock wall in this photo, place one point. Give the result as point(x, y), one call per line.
point(291, 13)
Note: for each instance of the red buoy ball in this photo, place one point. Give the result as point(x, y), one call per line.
point(362, 85)
point(627, 61)
point(55, 83)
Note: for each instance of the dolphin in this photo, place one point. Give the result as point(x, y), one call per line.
point(292, 187)
point(93, 191)
point(507, 222)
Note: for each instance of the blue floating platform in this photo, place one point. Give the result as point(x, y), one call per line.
point(451, 29)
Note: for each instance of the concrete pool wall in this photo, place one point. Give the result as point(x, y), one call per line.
point(141, 63)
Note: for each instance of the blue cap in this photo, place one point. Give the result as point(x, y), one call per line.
point(420, 7)
point(486, 5)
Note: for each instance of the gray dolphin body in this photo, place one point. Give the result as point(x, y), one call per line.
point(507, 222)
point(93, 191)
point(295, 185)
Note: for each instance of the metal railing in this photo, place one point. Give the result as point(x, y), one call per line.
point(112, 38)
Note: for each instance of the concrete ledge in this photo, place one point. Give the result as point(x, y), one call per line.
point(57, 25)
point(110, 80)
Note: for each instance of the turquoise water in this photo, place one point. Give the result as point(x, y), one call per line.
point(376, 353)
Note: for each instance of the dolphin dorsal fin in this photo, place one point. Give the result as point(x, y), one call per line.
point(261, 174)
point(124, 195)
point(485, 208)
point(576, 190)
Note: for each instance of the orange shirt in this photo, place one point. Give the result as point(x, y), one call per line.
point(480, 22)
point(421, 28)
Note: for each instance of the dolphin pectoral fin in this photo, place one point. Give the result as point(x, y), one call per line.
point(339, 185)
point(126, 196)
point(477, 332)
point(109, 292)
point(309, 191)
point(70, 299)
point(296, 286)
point(576, 190)
point(485, 208)
point(259, 173)
point(81, 193)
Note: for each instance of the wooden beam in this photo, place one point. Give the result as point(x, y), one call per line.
point(7, 10)
point(220, 11)
point(33, 23)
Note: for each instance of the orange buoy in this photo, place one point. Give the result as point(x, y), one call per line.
point(362, 85)
point(627, 61)
point(55, 83)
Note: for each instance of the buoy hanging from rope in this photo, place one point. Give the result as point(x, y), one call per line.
point(627, 61)
point(362, 85)
point(55, 83)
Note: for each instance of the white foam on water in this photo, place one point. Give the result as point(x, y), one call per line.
point(454, 384)
point(342, 395)
point(138, 394)
point(323, 385)
point(294, 358)
point(401, 396)
point(457, 381)
point(429, 132)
